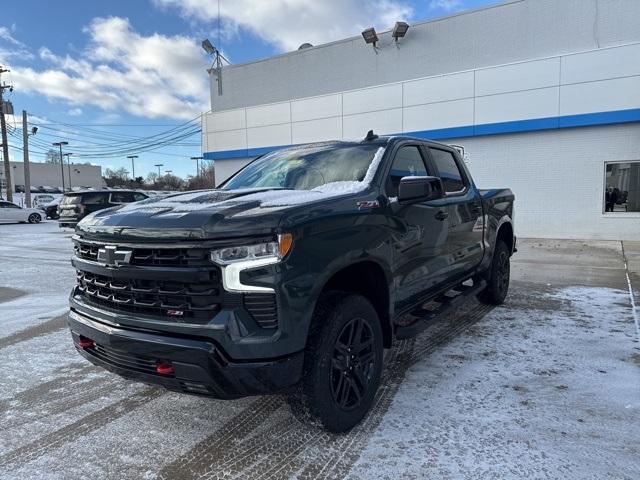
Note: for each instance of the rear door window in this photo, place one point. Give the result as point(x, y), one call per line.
point(450, 174)
point(97, 198)
point(122, 197)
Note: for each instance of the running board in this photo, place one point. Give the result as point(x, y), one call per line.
point(446, 305)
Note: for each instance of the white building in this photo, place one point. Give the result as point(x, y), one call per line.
point(50, 174)
point(543, 94)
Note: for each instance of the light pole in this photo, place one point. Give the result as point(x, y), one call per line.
point(133, 167)
point(68, 154)
point(159, 165)
point(197, 159)
point(60, 144)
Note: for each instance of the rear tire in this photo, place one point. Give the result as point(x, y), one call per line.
point(342, 364)
point(35, 218)
point(499, 275)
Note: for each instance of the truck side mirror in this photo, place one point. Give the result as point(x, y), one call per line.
point(419, 189)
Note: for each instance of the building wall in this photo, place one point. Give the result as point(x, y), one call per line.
point(49, 174)
point(506, 33)
point(558, 178)
point(587, 88)
point(541, 93)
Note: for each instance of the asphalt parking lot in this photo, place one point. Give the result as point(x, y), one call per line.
point(546, 386)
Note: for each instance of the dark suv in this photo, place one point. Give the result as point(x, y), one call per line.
point(293, 276)
point(74, 206)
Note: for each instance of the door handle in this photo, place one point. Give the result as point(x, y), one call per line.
point(441, 215)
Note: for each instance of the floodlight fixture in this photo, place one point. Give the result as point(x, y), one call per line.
point(399, 30)
point(370, 36)
point(208, 47)
point(34, 130)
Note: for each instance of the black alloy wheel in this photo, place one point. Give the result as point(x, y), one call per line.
point(352, 364)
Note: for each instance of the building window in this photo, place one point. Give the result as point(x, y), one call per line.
point(622, 187)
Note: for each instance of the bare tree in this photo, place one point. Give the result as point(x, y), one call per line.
point(52, 156)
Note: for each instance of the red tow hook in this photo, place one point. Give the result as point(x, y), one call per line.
point(86, 343)
point(164, 368)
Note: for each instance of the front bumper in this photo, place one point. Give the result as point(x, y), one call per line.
point(199, 366)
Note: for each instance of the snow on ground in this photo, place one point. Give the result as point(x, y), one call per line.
point(546, 386)
point(549, 389)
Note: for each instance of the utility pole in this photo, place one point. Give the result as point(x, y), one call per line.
point(25, 158)
point(197, 159)
point(133, 167)
point(60, 144)
point(68, 154)
point(5, 142)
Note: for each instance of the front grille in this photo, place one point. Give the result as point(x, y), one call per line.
point(263, 308)
point(156, 257)
point(197, 301)
point(122, 359)
point(153, 297)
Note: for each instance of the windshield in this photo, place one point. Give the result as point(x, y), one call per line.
point(70, 199)
point(306, 168)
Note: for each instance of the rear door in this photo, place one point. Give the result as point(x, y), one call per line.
point(419, 236)
point(463, 208)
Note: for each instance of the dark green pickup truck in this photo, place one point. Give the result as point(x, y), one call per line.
point(293, 276)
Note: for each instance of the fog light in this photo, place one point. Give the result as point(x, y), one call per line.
point(164, 368)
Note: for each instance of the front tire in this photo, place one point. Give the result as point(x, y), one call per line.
point(35, 218)
point(342, 365)
point(499, 276)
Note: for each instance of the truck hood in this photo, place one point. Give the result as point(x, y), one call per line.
point(205, 214)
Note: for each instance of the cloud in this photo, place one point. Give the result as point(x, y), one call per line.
point(445, 5)
point(122, 71)
point(288, 23)
point(12, 48)
point(74, 112)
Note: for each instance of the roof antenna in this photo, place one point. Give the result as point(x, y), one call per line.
point(370, 136)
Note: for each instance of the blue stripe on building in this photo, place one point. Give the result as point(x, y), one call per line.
point(531, 125)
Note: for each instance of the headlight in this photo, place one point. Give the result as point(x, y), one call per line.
point(274, 250)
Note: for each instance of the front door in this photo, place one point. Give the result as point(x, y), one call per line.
point(419, 234)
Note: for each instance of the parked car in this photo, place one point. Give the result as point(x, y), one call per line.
point(39, 200)
point(293, 276)
point(51, 208)
point(12, 213)
point(74, 206)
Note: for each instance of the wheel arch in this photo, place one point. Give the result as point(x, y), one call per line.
point(369, 279)
point(505, 233)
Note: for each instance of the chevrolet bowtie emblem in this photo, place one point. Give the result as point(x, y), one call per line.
point(110, 256)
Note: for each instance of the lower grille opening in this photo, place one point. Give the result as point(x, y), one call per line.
point(122, 359)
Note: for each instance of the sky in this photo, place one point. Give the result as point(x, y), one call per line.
point(103, 75)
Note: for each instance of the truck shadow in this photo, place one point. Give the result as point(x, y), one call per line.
point(265, 441)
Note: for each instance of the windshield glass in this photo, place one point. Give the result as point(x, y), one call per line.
point(70, 199)
point(306, 168)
